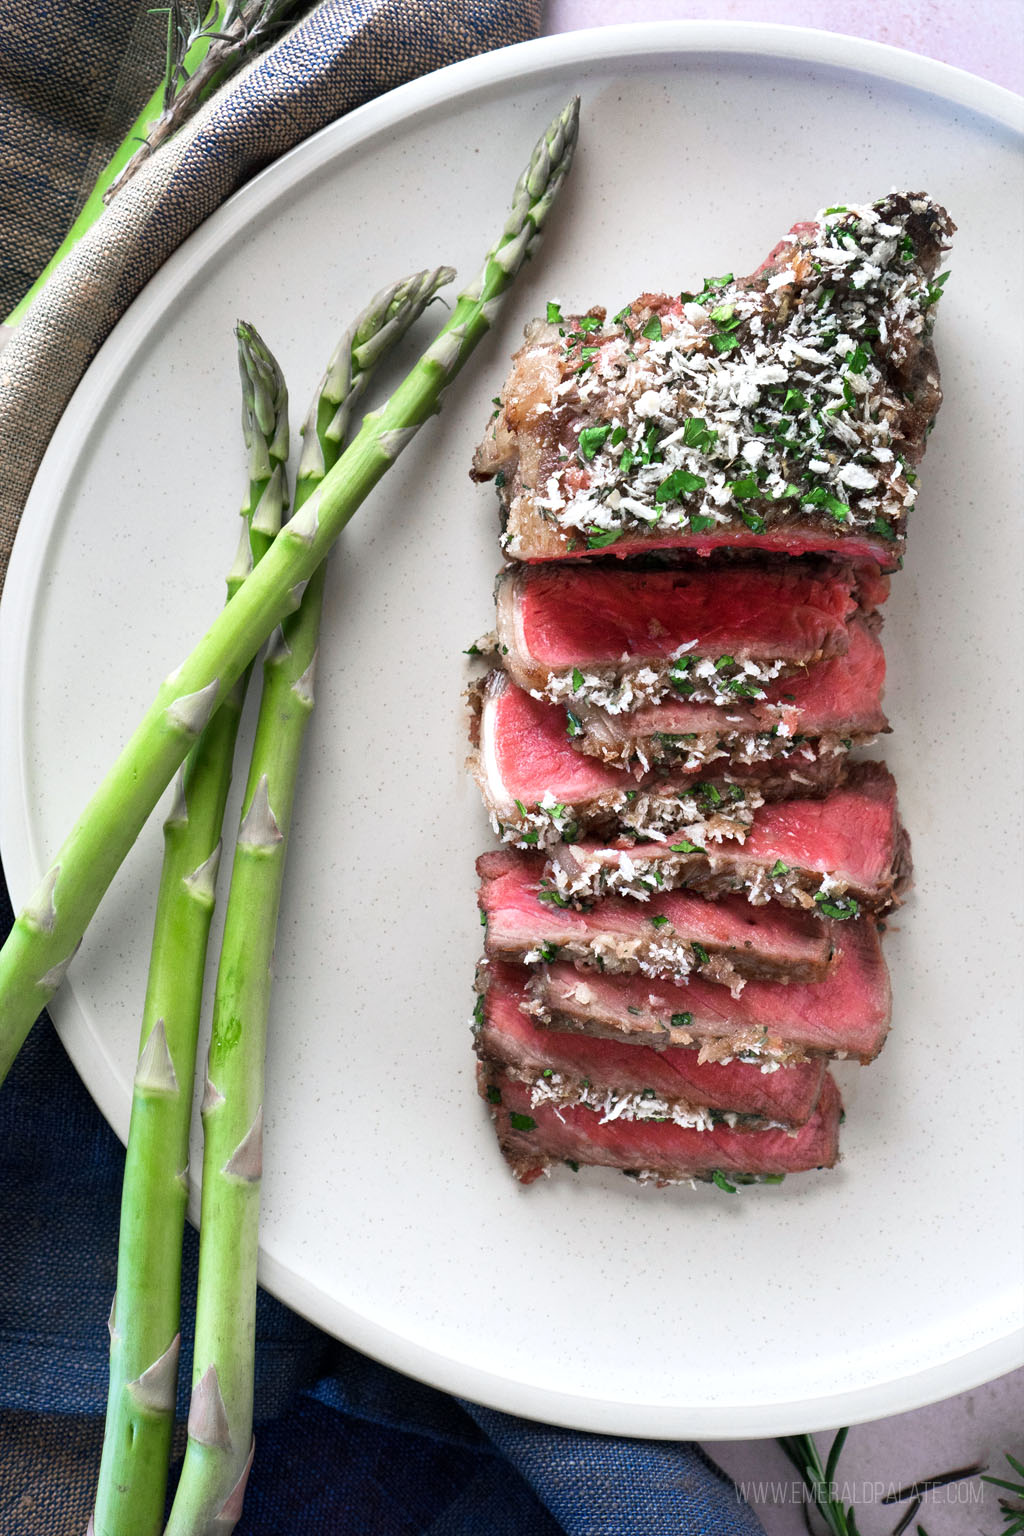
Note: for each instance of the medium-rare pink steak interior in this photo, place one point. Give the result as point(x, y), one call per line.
point(533, 1137)
point(833, 705)
point(619, 637)
point(786, 411)
point(834, 855)
point(845, 1015)
point(634, 1079)
point(727, 941)
point(540, 790)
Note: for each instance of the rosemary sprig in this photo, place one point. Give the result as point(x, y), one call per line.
point(1012, 1509)
point(820, 1482)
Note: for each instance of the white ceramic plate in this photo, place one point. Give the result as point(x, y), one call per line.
point(388, 1216)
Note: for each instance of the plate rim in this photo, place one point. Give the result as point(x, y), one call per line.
point(549, 54)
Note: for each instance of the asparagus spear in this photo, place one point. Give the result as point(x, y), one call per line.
point(217, 1459)
point(47, 932)
point(144, 1337)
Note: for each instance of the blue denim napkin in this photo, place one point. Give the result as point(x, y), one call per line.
point(344, 1445)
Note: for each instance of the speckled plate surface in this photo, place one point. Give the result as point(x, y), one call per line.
point(388, 1215)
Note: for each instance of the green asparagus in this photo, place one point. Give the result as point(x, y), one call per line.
point(216, 1464)
point(48, 931)
point(144, 1337)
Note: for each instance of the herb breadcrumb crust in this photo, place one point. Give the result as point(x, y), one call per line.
point(786, 410)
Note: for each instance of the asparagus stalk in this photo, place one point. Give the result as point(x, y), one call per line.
point(47, 932)
point(217, 1459)
point(144, 1336)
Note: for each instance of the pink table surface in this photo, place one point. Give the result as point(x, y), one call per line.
point(986, 38)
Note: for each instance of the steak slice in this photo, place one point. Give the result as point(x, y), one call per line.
point(846, 1014)
point(538, 789)
point(632, 1080)
point(532, 1137)
point(834, 705)
point(786, 411)
point(835, 855)
point(676, 934)
point(619, 638)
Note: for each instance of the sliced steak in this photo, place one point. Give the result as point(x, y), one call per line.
point(833, 855)
point(632, 1080)
point(621, 637)
point(846, 1014)
point(834, 705)
point(786, 411)
point(538, 789)
point(674, 935)
point(532, 1137)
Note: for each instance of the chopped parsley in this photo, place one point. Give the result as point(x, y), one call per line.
point(679, 483)
point(719, 1178)
point(520, 1122)
point(600, 538)
point(838, 907)
point(554, 314)
point(744, 488)
point(652, 330)
point(697, 434)
point(591, 439)
point(681, 1020)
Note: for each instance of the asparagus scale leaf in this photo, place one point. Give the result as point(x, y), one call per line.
point(47, 932)
point(212, 1483)
point(144, 1318)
